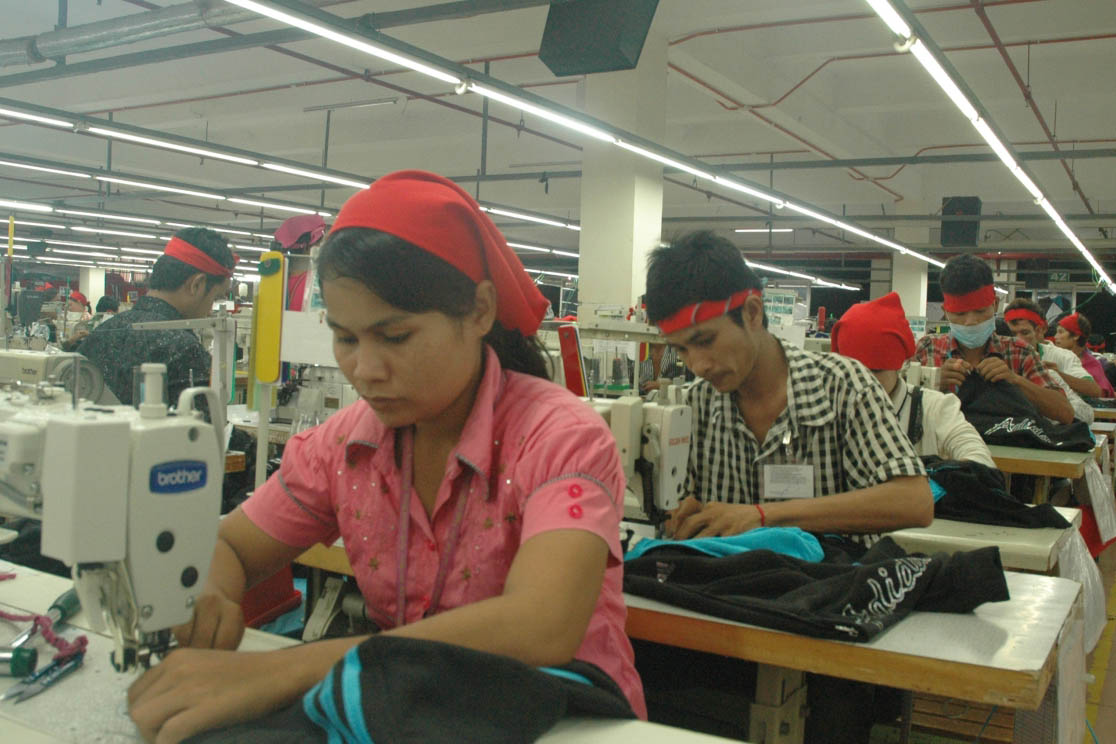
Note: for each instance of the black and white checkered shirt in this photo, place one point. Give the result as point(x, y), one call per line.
point(838, 418)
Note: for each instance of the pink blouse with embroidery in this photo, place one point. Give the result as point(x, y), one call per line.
point(532, 458)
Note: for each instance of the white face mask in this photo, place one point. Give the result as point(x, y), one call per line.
point(973, 336)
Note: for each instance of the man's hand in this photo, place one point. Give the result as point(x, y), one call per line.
point(954, 372)
point(193, 691)
point(719, 520)
point(995, 369)
point(218, 622)
point(690, 505)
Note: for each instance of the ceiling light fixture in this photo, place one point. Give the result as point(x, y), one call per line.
point(923, 48)
point(75, 244)
point(798, 275)
point(764, 230)
point(529, 218)
point(28, 206)
point(57, 171)
point(167, 145)
point(122, 233)
point(272, 205)
point(107, 216)
point(142, 250)
point(160, 187)
point(12, 114)
point(551, 273)
point(315, 175)
point(251, 248)
point(95, 254)
point(40, 224)
point(557, 252)
point(525, 247)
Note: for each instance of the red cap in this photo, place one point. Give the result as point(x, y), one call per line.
point(875, 333)
point(1070, 324)
point(438, 216)
point(295, 227)
point(78, 297)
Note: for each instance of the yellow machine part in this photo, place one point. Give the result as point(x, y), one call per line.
point(268, 322)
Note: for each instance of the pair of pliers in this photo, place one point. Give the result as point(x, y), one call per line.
point(44, 678)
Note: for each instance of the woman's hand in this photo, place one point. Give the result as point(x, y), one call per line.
point(218, 622)
point(196, 690)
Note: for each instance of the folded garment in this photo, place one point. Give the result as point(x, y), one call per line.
point(784, 540)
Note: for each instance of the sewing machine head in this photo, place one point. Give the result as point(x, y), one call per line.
point(129, 498)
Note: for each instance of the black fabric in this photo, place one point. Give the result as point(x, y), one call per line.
point(975, 493)
point(852, 602)
point(425, 692)
point(115, 347)
point(914, 423)
point(1002, 415)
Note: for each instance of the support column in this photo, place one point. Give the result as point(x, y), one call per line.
point(879, 278)
point(621, 192)
point(908, 274)
point(92, 284)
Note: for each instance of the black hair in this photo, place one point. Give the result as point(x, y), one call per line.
point(416, 281)
point(170, 273)
point(963, 274)
point(695, 267)
point(108, 304)
point(1086, 329)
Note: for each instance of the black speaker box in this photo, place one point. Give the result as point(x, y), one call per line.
point(960, 233)
point(586, 36)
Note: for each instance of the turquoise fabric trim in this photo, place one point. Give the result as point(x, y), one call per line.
point(351, 695)
point(325, 700)
point(790, 541)
point(566, 674)
point(312, 712)
point(936, 490)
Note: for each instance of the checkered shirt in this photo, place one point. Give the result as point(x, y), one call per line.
point(934, 348)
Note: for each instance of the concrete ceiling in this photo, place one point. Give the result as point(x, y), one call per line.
point(751, 83)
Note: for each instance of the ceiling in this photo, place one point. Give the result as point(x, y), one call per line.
point(776, 88)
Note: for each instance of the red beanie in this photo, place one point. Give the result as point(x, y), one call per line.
point(438, 216)
point(875, 333)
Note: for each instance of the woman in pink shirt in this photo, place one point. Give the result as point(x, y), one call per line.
point(478, 502)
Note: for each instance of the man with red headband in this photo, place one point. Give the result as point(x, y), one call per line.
point(1073, 334)
point(878, 335)
point(1025, 319)
point(972, 346)
point(192, 273)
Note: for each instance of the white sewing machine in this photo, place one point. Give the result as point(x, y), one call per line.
point(23, 367)
point(130, 499)
point(654, 444)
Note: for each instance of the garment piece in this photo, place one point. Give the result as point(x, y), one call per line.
point(838, 419)
point(296, 289)
point(116, 348)
point(975, 493)
point(945, 432)
point(405, 691)
point(934, 349)
point(1093, 366)
point(783, 540)
point(851, 602)
point(531, 458)
point(1003, 415)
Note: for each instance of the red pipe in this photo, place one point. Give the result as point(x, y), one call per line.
point(1093, 141)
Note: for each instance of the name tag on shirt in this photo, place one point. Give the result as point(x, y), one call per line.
point(788, 482)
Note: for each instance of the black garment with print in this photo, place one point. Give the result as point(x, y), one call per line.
point(116, 348)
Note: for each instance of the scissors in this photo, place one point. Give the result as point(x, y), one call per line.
point(44, 678)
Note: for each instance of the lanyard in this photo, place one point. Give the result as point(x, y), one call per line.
point(403, 534)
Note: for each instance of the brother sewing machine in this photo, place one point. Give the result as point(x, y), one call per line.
point(129, 498)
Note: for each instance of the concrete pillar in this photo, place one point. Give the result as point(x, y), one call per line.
point(1004, 272)
point(880, 276)
point(92, 284)
point(621, 192)
point(908, 274)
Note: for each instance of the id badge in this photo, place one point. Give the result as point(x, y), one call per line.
point(788, 482)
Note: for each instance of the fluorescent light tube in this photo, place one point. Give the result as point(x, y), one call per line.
point(557, 118)
point(178, 224)
point(158, 187)
point(666, 161)
point(78, 228)
point(944, 81)
point(551, 273)
point(1028, 184)
point(525, 217)
point(270, 205)
point(142, 250)
point(28, 206)
point(526, 247)
point(266, 9)
point(764, 229)
point(83, 253)
point(251, 248)
point(250, 278)
point(166, 145)
point(75, 244)
point(315, 175)
point(13, 114)
point(565, 253)
point(729, 183)
point(230, 231)
point(994, 142)
point(41, 224)
point(1001, 291)
point(107, 216)
point(57, 171)
point(889, 16)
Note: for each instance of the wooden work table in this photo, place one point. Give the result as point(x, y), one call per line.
point(1043, 464)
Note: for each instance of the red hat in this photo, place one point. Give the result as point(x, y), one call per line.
point(875, 333)
point(78, 297)
point(438, 216)
point(1070, 324)
point(294, 228)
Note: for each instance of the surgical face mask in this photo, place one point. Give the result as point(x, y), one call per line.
point(973, 336)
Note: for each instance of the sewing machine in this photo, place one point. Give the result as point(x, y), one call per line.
point(26, 368)
point(128, 497)
point(654, 444)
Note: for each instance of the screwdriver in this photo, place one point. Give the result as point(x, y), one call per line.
point(61, 609)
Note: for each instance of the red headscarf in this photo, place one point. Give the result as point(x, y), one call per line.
point(975, 300)
point(441, 218)
point(1022, 313)
point(1070, 324)
point(875, 333)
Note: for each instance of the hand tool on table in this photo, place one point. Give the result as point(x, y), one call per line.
point(61, 609)
point(44, 678)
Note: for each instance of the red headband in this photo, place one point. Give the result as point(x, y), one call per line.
point(975, 300)
point(1022, 313)
point(78, 297)
point(1070, 324)
point(438, 216)
point(705, 310)
point(200, 260)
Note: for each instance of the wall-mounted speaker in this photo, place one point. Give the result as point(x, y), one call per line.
point(960, 232)
point(586, 36)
